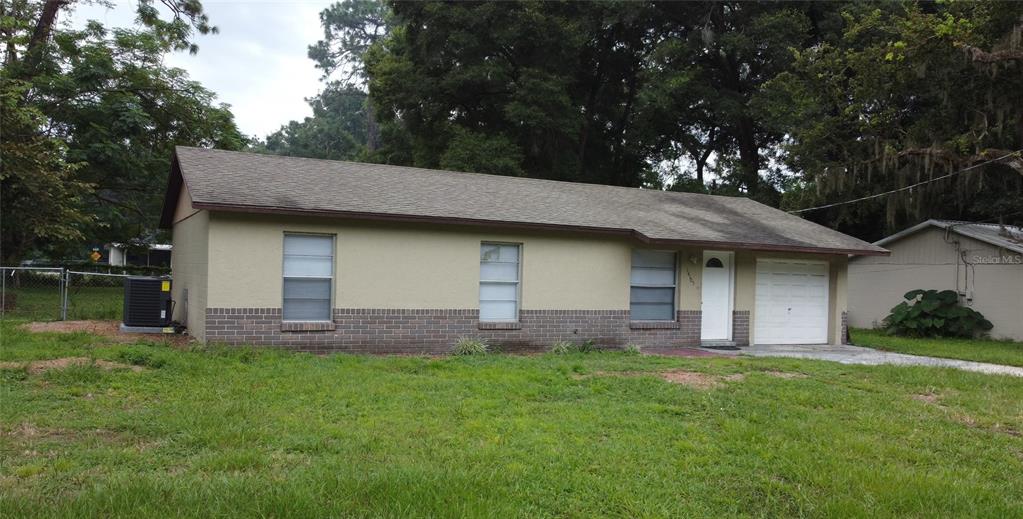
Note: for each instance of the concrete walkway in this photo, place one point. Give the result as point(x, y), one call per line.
point(847, 354)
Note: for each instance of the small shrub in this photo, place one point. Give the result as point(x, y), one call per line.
point(470, 346)
point(632, 349)
point(562, 347)
point(930, 313)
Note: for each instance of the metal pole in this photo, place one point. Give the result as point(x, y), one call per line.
point(63, 306)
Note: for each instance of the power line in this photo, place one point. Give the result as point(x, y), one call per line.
point(886, 193)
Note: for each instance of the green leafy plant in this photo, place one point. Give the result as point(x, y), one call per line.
point(470, 346)
point(632, 349)
point(930, 313)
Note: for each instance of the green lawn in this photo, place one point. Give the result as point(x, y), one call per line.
point(96, 302)
point(42, 303)
point(245, 432)
point(981, 350)
point(37, 303)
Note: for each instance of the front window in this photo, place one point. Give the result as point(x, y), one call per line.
point(652, 286)
point(308, 277)
point(499, 282)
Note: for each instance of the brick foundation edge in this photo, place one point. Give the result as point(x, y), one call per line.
point(740, 327)
point(845, 328)
point(435, 330)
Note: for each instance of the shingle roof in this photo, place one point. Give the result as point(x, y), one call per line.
point(1008, 237)
point(251, 182)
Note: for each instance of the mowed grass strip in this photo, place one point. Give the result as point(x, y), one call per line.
point(1009, 353)
point(242, 432)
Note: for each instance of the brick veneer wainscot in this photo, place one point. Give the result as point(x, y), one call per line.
point(434, 331)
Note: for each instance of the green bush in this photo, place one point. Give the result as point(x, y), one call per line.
point(470, 346)
point(930, 313)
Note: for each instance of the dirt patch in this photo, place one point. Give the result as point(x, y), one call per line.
point(109, 330)
point(784, 374)
point(693, 379)
point(928, 398)
point(39, 366)
point(31, 440)
point(699, 380)
point(959, 416)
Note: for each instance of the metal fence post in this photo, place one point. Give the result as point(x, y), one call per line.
point(63, 296)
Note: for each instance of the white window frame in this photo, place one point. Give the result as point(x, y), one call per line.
point(673, 285)
point(517, 282)
point(333, 269)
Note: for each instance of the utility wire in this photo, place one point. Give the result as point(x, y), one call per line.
point(886, 193)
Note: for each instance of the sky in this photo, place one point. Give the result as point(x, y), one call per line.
point(257, 63)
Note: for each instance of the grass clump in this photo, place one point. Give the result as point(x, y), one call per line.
point(141, 356)
point(470, 346)
point(632, 349)
point(563, 347)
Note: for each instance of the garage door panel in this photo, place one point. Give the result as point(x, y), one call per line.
point(791, 302)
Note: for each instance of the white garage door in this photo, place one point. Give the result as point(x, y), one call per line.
point(792, 302)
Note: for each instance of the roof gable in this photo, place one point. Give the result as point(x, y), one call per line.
point(1008, 237)
point(251, 182)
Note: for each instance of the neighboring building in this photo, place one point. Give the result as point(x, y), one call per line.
point(982, 262)
point(323, 255)
point(155, 255)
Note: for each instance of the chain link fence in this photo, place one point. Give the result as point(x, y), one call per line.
point(94, 295)
point(58, 293)
point(32, 293)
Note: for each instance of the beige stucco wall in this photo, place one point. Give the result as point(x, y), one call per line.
point(189, 263)
point(422, 267)
point(924, 260)
point(390, 266)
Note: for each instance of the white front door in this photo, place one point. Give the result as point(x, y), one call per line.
point(791, 302)
point(717, 296)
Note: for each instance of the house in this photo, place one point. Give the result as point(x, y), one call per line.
point(337, 256)
point(982, 262)
point(154, 255)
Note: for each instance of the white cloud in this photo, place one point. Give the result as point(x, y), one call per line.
point(257, 63)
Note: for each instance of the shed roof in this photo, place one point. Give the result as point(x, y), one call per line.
point(1009, 237)
point(258, 183)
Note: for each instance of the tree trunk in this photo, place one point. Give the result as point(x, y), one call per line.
point(702, 158)
point(749, 155)
point(47, 18)
point(372, 128)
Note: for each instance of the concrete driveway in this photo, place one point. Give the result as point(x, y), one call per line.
point(847, 354)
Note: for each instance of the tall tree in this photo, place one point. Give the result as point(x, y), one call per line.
point(706, 71)
point(343, 125)
point(910, 92)
point(116, 112)
point(337, 130)
point(40, 200)
point(540, 89)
